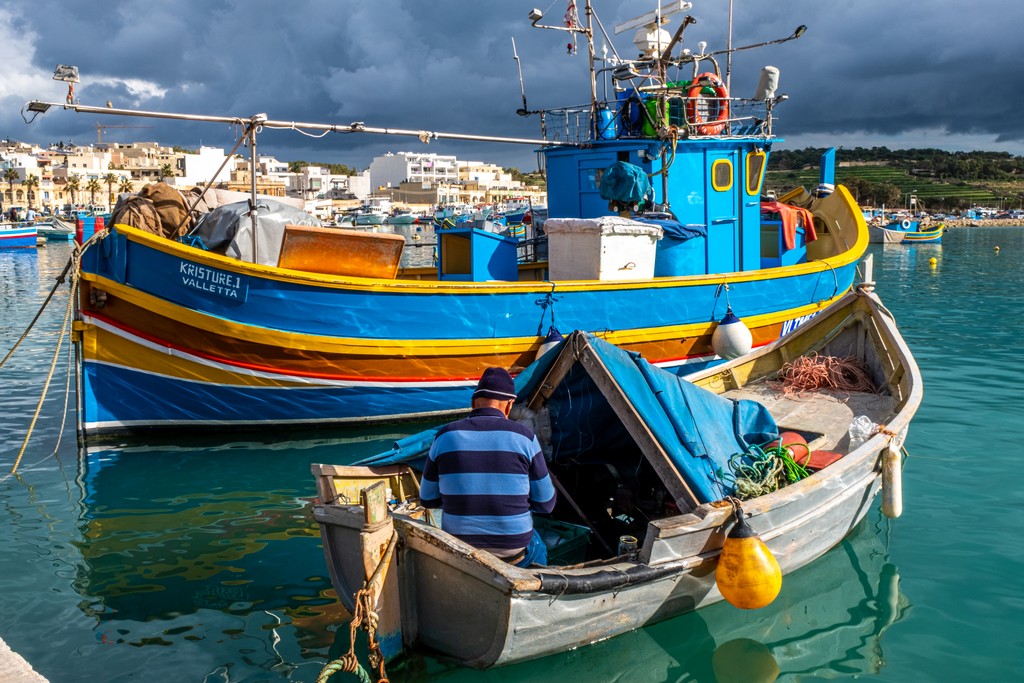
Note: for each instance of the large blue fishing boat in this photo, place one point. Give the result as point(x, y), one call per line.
point(656, 233)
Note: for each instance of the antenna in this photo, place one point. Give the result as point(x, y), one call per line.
point(515, 55)
point(654, 17)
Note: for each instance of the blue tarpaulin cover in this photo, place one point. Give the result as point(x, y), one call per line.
point(698, 429)
point(626, 183)
point(671, 228)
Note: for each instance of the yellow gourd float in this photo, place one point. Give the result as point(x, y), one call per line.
point(748, 575)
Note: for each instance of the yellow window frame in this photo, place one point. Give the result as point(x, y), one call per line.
point(756, 190)
point(714, 175)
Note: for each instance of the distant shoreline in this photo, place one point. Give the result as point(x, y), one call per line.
point(979, 223)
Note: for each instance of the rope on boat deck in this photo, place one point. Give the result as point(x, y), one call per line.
point(815, 372)
point(763, 470)
point(363, 616)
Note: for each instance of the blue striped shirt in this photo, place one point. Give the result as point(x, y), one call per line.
point(487, 474)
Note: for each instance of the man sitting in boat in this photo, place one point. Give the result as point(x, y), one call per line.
point(487, 474)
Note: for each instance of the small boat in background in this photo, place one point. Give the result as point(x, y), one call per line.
point(401, 217)
point(906, 231)
point(56, 230)
point(669, 452)
point(18, 235)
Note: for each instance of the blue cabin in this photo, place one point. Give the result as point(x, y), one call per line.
point(712, 186)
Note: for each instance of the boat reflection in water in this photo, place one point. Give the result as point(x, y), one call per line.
point(828, 622)
point(177, 534)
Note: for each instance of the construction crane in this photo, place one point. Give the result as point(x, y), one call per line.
point(102, 127)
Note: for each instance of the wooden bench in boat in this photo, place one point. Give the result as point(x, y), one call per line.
point(334, 251)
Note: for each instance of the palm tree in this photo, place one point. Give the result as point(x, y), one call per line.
point(166, 172)
point(31, 182)
point(92, 187)
point(126, 185)
point(73, 186)
point(110, 179)
point(10, 175)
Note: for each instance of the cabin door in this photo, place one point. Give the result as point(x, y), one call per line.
point(722, 212)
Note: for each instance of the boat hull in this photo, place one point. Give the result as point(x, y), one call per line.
point(887, 235)
point(170, 335)
point(13, 236)
point(500, 618)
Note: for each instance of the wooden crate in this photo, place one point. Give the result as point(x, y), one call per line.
point(333, 251)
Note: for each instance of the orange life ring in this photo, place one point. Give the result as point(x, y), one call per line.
point(717, 124)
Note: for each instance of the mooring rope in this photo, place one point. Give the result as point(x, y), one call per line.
point(53, 290)
point(364, 616)
point(53, 365)
point(74, 267)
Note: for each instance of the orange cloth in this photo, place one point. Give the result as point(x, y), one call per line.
point(792, 217)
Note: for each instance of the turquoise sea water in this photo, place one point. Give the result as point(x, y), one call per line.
point(199, 561)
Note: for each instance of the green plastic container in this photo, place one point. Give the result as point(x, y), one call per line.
point(674, 115)
point(567, 543)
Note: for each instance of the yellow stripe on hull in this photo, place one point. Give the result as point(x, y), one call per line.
point(404, 348)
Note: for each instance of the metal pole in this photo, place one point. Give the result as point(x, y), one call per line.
point(263, 122)
point(252, 198)
point(593, 75)
point(728, 57)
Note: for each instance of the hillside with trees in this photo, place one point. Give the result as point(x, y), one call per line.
point(878, 175)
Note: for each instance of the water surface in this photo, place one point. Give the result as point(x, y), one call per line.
point(193, 560)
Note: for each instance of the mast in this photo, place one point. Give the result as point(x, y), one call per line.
point(593, 75)
point(728, 55)
point(252, 184)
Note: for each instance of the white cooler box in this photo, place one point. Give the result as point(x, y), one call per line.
point(605, 248)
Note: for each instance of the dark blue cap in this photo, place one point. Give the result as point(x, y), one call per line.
point(496, 383)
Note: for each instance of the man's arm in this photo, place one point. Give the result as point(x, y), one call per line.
point(430, 490)
point(542, 489)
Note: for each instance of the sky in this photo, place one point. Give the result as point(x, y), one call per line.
point(925, 73)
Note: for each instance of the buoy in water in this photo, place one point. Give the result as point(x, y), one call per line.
point(996, 249)
point(731, 338)
point(748, 575)
point(933, 261)
point(550, 341)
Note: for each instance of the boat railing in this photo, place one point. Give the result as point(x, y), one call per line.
point(664, 117)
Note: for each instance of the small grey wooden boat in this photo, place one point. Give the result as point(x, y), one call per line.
point(435, 592)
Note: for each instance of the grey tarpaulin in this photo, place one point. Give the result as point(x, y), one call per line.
point(228, 229)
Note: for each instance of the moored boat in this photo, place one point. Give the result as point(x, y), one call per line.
point(172, 334)
point(613, 427)
point(906, 232)
point(404, 217)
point(56, 230)
point(18, 235)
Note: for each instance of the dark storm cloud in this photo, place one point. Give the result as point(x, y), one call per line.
point(865, 73)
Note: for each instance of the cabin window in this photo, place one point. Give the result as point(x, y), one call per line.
point(721, 175)
point(755, 171)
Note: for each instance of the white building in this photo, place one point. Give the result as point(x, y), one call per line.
point(391, 170)
point(199, 168)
